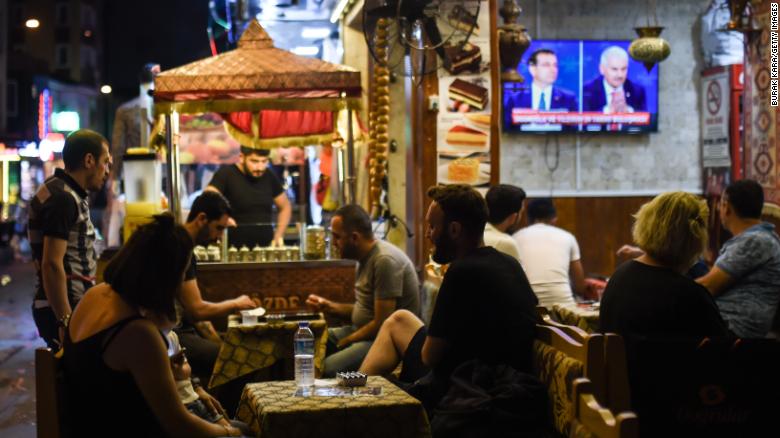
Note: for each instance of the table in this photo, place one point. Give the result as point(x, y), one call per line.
point(586, 318)
point(271, 410)
point(249, 348)
point(279, 286)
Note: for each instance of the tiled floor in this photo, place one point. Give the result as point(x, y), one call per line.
point(18, 341)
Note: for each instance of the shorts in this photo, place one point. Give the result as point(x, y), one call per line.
point(199, 409)
point(413, 367)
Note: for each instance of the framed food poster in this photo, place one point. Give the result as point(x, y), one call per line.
point(464, 122)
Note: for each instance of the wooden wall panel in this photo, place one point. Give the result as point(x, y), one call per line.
point(601, 226)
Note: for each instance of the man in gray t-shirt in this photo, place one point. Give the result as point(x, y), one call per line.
point(746, 277)
point(386, 281)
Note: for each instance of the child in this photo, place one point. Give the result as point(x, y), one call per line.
point(198, 402)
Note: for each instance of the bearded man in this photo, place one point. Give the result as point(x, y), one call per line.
point(253, 190)
point(386, 281)
point(485, 309)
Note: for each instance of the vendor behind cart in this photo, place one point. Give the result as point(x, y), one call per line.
point(252, 190)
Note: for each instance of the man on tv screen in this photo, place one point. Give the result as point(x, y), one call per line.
point(613, 92)
point(542, 95)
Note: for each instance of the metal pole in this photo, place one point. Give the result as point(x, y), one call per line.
point(351, 179)
point(172, 141)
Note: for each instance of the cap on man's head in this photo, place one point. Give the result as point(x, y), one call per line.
point(79, 144)
point(246, 150)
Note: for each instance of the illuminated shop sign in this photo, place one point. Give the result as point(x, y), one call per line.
point(65, 121)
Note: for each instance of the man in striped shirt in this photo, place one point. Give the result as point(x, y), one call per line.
point(61, 234)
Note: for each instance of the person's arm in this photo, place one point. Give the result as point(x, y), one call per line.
point(320, 304)
point(282, 219)
point(140, 350)
point(578, 277)
point(53, 275)
point(200, 310)
point(382, 309)
point(630, 251)
point(433, 350)
point(716, 281)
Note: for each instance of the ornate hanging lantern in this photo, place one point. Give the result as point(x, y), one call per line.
point(513, 41)
point(650, 48)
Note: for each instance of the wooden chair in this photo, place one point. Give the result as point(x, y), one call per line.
point(618, 395)
point(48, 394)
point(593, 420)
point(558, 360)
point(711, 387)
point(574, 332)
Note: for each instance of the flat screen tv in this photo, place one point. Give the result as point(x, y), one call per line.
point(581, 86)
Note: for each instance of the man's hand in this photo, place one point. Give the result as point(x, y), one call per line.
point(343, 342)
point(629, 251)
point(318, 303)
point(278, 242)
point(244, 303)
point(211, 403)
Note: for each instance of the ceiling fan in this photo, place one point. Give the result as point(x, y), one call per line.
point(421, 35)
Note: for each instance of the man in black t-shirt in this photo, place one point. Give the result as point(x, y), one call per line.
point(207, 220)
point(253, 190)
point(485, 307)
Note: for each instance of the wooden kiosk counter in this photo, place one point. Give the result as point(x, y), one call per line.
point(279, 285)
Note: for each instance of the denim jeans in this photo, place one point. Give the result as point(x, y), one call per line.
point(345, 359)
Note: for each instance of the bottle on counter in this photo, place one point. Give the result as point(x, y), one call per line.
point(304, 355)
point(314, 244)
point(214, 254)
point(232, 254)
point(257, 253)
point(200, 253)
point(243, 254)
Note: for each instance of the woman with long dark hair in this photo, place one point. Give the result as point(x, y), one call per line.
point(118, 377)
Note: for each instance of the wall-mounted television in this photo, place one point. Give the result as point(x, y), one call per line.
point(581, 86)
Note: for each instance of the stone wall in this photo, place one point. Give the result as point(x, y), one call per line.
point(609, 165)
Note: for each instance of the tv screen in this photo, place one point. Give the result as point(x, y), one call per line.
point(581, 86)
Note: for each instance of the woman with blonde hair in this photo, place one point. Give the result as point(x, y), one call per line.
point(650, 296)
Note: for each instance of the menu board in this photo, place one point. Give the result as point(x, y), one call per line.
point(464, 118)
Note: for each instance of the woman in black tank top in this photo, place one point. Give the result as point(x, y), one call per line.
point(117, 373)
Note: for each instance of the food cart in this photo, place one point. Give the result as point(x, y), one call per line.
point(268, 98)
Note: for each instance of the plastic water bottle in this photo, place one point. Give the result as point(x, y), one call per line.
point(304, 355)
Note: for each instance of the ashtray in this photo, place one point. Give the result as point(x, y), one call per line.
point(351, 379)
point(250, 317)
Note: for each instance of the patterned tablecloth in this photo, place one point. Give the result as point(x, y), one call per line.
point(249, 348)
point(271, 410)
point(586, 318)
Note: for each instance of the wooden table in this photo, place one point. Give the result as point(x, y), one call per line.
point(271, 410)
point(249, 348)
point(278, 285)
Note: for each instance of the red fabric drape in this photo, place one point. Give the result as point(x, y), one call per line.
point(276, 124)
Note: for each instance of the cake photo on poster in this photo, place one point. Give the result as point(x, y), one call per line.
point(473, 169)
point(467, 95)
point(460, 58)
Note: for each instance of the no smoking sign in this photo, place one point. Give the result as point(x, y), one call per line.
point(714, 97)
